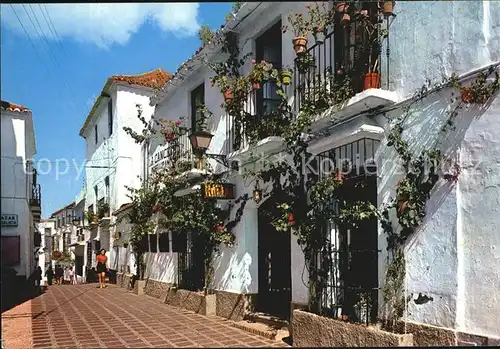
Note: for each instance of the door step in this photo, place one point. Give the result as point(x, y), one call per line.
point(267, 319)
point(265, 325)
point(264, 330)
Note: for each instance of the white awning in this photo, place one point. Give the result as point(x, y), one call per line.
point(187, 191)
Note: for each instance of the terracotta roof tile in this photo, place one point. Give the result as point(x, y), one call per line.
point(13, 107)
point(154, 79)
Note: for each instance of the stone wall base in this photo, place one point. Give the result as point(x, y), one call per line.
point(124, 280)
point(234, 306)
point(197, 302)
point(139, 286)
point(311, 330)
point(429, 336)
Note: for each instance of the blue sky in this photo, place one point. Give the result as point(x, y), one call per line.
point(59, 79)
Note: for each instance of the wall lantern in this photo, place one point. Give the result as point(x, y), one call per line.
point(200, 142)
point(257, 194)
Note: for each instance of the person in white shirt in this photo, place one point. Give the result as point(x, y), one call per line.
point(72, 276)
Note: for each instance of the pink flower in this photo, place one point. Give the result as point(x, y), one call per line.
point(253, 61)
point(364, 12)
point(178, 122)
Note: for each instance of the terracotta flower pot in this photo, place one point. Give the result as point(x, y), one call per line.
point(299, 44)
point(228, 95)
point(286, 76)
point(291, 219)
point(341, 7)
point(345, 20)
point(466, 95)
point(255, 85)
point(372, 80)
point(388, 7)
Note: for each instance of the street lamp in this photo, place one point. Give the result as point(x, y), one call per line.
point(200, 142)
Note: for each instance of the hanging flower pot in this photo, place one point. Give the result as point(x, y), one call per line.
point(319, 36)
point(372, 80)
point(299, 44)
point(341, 7)
point(345, 20)
point(286, 76)
point(228, 95)
point(387, 7)
point(291, 219)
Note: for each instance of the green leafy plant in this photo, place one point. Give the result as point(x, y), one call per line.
point(205, 34)
point(301, 26)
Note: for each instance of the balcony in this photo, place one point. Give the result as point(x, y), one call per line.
point(338, 76)
point(176, 153)
point(35, 202)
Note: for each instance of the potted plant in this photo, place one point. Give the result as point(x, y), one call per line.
point(286, 76)
point(91, 217)
point(370, 38)
point(260, 73)
point(387, 7)
point(301, 28)
point(320, 20)
point(205, 34)
point(341, 6)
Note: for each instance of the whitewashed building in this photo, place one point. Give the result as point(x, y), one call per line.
point(47, 228)
point(451, 278)
point(20, 192)
point(109, 150)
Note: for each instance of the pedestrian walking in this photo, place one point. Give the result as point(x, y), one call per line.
point(102, 268)
point(72, 276)
point(59, 274)
point(38, 278)
point(49, 274)
point(66, 275)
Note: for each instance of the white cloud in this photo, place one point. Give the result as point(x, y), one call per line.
point(102, 24)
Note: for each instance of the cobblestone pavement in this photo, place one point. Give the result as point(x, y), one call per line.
point(86, 317)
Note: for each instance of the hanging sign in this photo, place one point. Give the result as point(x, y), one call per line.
point(219, 191)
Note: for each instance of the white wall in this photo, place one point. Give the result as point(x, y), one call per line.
point(161, 266)
point(453, 255)
point(17, 147)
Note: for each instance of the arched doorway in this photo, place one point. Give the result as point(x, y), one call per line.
point(274, 264)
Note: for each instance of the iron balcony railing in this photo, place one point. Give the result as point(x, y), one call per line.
point(176, 153)
point(326, 74)
point(36, 195)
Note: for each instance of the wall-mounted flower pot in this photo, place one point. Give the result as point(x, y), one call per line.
point(319, 37)
point(346, 19)
point(291, 219)
point(372, 80)
point(341, 7)
point(466, 95)
point(299, 44)
point(286, 77)
point(255, 85)
point(387, 7)
point(228, 95)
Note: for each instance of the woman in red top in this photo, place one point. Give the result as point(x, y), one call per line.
point(102, 267)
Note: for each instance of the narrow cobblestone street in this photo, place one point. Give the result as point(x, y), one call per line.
point(86, 317)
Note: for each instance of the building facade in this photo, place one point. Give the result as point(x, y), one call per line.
point(443, 283)
point(21, 195)
point(109, 150)
point(47, 229)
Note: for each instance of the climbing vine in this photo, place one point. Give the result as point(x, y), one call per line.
point(202, 219)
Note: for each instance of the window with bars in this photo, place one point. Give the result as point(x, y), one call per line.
point(268, 48)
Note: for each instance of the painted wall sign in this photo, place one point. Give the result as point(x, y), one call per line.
point(220, 191)
point(9, 220)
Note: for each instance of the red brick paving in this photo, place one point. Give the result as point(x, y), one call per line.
point(85, 317)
